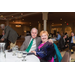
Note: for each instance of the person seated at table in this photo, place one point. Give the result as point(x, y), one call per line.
point(31, 42)
point(67, 37)
point(58, 36)
point(45, 51)
point(62, 43)
point(50, 35)
point(71, 41)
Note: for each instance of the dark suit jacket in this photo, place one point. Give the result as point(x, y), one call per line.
point(10, 34)
point(61, 43)
point(70, 38)
point(27, 40)
point(46, 52)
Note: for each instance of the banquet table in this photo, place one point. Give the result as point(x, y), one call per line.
point(11, 58)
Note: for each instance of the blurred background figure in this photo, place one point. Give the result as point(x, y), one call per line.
point(50, 35)
point(58, 36)
point(62, 43)
point(28, 33)
point(9, 34)
point(5, 40)
point(71, 41)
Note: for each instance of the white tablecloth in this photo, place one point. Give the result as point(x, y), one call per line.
point(11, 58)
point(53, 39)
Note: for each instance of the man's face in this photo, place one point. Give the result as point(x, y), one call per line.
point(65, 36)
point(72, 34)
point(34, 33)
point(2, 27)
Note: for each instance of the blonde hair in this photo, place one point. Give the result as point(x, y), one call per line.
point(42, 32)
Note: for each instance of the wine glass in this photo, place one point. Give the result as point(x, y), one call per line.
point(24, 56)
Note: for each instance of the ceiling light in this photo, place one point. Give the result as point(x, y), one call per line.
point(18, 25)
point(52, 23)
point(60, 18)
point(1, 15)
point(25, 31)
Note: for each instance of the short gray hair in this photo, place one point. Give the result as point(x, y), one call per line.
point(34, 28)
point(2, 25)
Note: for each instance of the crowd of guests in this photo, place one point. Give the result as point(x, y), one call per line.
point(64, 41)
point(43, 47)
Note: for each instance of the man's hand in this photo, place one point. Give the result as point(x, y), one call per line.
point(2, 39)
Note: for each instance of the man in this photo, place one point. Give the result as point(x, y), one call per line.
point(58, 36)
point(71, 41)
point(10, 34)
point(62, 43)
point(31, 42)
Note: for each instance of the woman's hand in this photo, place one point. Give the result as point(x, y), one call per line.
point(50, 40)
point(33, 52)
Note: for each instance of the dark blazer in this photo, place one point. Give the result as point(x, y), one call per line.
point(27, 40)
point(10, 34)
point(70, 38)
point(46, 52)
point(61, 43)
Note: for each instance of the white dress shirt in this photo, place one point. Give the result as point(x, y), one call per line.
point(33, 45)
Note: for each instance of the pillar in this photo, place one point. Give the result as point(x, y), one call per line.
point(39, 27)
point(45, 18)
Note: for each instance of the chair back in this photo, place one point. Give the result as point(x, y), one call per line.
point(66, 57)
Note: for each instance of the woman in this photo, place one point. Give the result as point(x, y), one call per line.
point(45, 50)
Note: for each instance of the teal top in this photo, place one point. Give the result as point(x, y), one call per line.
point(58, 53)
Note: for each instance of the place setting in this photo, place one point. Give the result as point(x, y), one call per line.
point(15, 55)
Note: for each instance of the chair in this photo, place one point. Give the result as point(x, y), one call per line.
point(66, 57)
point(56, 42)
point(73, 48)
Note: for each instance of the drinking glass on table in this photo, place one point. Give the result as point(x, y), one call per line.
point(24, 56)
point(14, 51)
point(19, 54)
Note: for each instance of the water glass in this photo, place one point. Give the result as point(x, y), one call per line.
point(14, 51)
point(19, 54)
point(24, 56)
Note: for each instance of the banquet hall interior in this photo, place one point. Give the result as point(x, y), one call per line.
point(53, 22)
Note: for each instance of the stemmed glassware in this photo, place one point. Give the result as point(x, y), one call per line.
point(2, 52)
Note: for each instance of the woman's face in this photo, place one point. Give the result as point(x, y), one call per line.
point(44, 37)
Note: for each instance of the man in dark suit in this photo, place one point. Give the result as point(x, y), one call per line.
point(10, 34)
point(31, 42)
point(71, 41)
point(62, 43)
